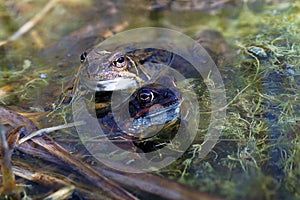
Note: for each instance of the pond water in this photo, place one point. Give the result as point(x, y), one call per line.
point(259, 146)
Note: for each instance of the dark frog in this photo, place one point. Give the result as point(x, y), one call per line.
point(152, 110)
point(153, 105)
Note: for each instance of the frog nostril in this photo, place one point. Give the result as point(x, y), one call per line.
point(83, 57)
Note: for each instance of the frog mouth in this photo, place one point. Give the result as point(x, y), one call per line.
point(119, 83)
point(140, 127)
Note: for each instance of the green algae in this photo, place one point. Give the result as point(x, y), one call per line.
point(244, 159)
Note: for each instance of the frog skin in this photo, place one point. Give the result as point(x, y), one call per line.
point(152, 108)
point(116, 67)
point(120, 68)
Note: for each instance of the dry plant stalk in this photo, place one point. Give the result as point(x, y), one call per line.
point(9, 187)
point(31, 23)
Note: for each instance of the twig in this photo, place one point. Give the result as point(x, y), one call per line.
point(9, 187)
point(63, 193)
point(31, 23)
point(107, 185)
point(48, 130)
point(162, 187)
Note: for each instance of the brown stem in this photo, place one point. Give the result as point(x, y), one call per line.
point(9, 186)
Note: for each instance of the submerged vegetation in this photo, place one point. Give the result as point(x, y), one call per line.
point(259, 148)
point(258, 154)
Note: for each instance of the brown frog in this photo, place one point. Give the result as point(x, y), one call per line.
point(119, 67)
point(123, 67)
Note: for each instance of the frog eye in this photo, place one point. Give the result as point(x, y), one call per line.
point(83, 57)
point(120, 62)
point(146, 96)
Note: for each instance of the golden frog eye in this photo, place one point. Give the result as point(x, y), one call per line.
point(120, 62)
point(146, 96)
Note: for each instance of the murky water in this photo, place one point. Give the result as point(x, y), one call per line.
point(258, 148)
